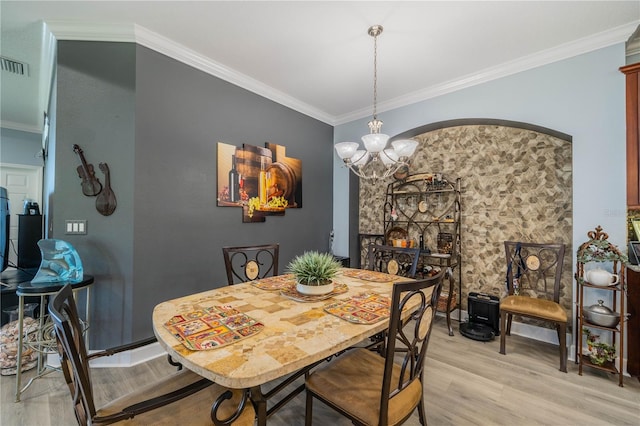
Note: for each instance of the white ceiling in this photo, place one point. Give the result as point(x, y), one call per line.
point(316, 57)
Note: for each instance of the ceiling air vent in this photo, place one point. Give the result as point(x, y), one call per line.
point(14, 67)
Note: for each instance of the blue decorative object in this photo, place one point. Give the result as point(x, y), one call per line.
point(60, 263)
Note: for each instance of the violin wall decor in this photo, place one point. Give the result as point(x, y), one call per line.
point(91, 186)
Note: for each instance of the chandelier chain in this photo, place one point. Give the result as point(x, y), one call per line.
point(375, 76)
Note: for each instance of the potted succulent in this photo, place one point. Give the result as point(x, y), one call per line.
point(314, 272)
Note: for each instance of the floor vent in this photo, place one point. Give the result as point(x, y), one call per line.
point(14, 67)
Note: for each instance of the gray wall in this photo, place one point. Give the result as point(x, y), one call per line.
point(156, 122)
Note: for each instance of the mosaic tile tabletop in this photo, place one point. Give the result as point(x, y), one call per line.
point(213, 327)
point(294, 335)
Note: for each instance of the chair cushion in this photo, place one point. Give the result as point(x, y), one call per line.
point(529, 306)
point(192, 410)
point(353, 382)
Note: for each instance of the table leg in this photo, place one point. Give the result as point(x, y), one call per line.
point(20, 338)
point(86, 315)
point(448, 308)
point(260, 404)
point(40, 335)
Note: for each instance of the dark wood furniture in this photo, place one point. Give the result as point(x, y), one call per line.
point(247, 263)
point(534, 273)
point(372, 389)
point(182, 397)
point(633, 324)
point(632, 73)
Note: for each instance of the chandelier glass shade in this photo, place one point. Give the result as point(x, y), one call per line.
point(376, 160)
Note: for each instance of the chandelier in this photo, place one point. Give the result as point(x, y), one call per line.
point(376, 161)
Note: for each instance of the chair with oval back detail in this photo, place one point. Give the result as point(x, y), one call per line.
point(400, 261)
point(247, 263)
point(181, 397)
point(371, 389)
point(534, 273)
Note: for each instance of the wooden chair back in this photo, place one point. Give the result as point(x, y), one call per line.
point(393, 260)
point(534, 269)
point(73, 353)
point(247, 263)
point(413, 338)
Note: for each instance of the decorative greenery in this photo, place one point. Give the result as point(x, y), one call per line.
point(600, 251)
point(314, 268)
point(601, 353)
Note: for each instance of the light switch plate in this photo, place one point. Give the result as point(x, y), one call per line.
point(75, 227)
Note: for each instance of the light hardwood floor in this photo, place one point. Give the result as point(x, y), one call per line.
point(467, 383)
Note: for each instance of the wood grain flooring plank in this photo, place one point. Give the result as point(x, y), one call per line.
point(466, 383)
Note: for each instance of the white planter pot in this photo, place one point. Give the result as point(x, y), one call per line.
point(315, 290)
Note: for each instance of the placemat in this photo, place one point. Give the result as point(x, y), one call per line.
point(274, 283)
point(363, 308)
point(212, 327)
point(362, 274)
point(292, 293)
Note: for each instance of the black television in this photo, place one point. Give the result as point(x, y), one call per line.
point(4, 228)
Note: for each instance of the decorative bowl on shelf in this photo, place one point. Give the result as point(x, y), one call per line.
point(601, 315)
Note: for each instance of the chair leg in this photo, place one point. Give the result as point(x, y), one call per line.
point(509, 318)
point(503, 332)
point(308, 411)
point(562, 339)
point(421, 413)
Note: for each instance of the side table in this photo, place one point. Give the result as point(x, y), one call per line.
point(43, 290)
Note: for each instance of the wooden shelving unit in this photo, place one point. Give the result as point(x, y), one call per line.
point(598, 250)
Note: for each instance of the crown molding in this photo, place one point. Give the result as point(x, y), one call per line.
point(137, 34)
point(64, 30)
point(564, 51)
point(20, 127)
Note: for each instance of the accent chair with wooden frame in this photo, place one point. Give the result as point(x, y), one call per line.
point(373, 389)
point(248, 263)
point(181, 397)
point(400, 261)
point(534, 273)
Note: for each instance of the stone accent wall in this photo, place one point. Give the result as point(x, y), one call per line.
point(516, 185)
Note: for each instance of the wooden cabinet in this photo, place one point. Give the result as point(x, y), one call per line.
point(594, 257)
point(423, 210)
point(632, 73)
point(633, 325)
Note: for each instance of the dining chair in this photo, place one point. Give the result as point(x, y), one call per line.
point(534, 274)
point(371, 389)
point(247, 263)
point(393, 260)
point(181, 397)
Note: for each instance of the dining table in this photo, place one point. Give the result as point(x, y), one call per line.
point(279, 333)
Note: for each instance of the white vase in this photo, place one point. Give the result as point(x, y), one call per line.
point(315, 290)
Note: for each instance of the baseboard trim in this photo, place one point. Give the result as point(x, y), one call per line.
point(123, 359)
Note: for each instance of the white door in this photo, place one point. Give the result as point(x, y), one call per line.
point(22, 183)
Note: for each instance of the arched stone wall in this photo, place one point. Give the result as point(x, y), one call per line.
point(516, 185)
